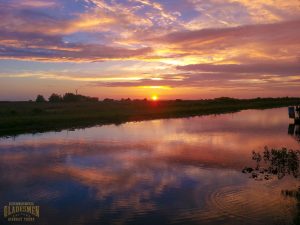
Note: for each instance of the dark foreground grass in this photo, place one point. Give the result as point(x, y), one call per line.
point(30, 117)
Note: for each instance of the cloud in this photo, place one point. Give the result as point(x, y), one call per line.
point(160, 8)
point(237, 35)
point(196, 43)
point(185, 80)
point(33, 21)
point(120, 31)
point(251, 43)
point(71, 52)
point(28, 33)
point(31, 34)
point(256, 68)
point(30, 4)
point(269, 10)
point(32, 46)
point(228, 13)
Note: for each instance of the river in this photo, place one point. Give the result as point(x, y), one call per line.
point(169, 171)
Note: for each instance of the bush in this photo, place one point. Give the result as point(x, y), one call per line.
point(70, 97)
point(55, 98)
point(40, 98)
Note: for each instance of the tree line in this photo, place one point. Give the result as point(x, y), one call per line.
point(67, 97)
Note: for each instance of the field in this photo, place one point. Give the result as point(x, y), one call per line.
point(31, 117)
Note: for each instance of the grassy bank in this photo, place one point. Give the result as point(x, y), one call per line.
point(31, 117)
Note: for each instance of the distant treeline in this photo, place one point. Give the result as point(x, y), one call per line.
point(76, 111)
point(71, 97)
point(67, 97)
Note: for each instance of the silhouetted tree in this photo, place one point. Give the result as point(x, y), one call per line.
point(70, 97)
point(125, 100)
point(108, 100)
point(40, 98)
point(55, 98)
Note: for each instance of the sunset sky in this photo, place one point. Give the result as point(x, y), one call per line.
point(189, 49)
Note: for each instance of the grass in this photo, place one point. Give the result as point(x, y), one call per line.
point(30, 117)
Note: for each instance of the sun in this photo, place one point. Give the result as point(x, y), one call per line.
point(154, 97)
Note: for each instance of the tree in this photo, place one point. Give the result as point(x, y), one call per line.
point(70, 97)
point(55, 98)
point(40, 98)
point(108, 100)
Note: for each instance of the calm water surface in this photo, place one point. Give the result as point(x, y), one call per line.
point(173, 171)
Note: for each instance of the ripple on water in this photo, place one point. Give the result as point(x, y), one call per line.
point(250, 204)
point(254, 204)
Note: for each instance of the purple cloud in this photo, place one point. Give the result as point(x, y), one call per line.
point(255, 68)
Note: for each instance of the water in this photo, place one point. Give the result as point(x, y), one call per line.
point(173, 171)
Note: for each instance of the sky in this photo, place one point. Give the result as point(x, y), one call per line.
point(188, 49)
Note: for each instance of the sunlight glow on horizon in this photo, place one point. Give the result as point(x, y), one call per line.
point(154, 98)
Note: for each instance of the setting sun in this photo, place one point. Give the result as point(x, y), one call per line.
point(154, 97)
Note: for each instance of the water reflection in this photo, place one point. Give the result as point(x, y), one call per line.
point(294, 130)
point(295, 194)
point(279, 162)
point(182, 171)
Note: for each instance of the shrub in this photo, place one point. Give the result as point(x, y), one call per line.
point(40, 98)
point(55, 98)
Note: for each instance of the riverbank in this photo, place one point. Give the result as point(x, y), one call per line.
point(30, 117)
